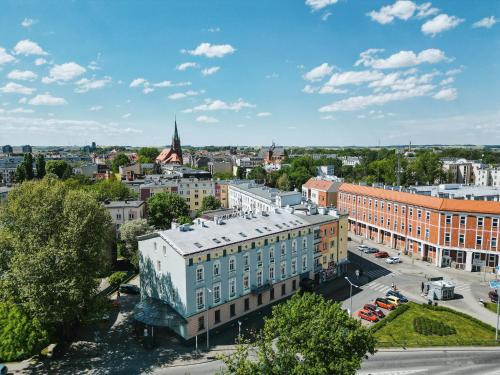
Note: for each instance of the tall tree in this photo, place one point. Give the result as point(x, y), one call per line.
point(148, 154)
point(120, 160)
point(284, 182)
point(40, 166)
point(58, 240)
point(240, 173)
point(258, 174)
point(305, 335)
point(209, 203)
point(20, 174)
point(111, 190)
point(128, 237)
point(60, 168)
point(28, 165)
point(163, 208)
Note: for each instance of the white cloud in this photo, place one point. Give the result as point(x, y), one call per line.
point(28, 22)
point(453, 72)
point(207, 119)
point(403, 10)
point(137, 82)
point(326, 15)
point(272, 75)
point(426, 10)
point(212, 50)
point(40, 61)
point(264, 114)
point(20, 110)
point(170, 84)
point(23, 100)
point(47, 99)
point(331, 90)
point(308, 89)
point(95, 108)
point(486, 22)
point(318, 73)
point(320, 4)
point(210, 71)
point(213, 29)
point(402, 59)
point(186, 65)
point(360, 102)
point(218, 105)
point(327, 117)
point(446, 94)
point(5, 57)
point(22, 75)
point(354, 77)
point(440, 23)
point(447, 81)
point(148, 90)
point(64, 72)
point(15, 88)
point(86, 84)
point(182, 95)
point(126, 115)
point(93, 65)
point(27, 47)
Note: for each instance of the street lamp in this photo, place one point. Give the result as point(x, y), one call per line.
point(208, 322)
point(239, 329)
point(351, 285)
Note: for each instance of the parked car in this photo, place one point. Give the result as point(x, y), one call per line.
point(374, 309)
point(394, 300)
point(129, 289)
point(371, 250)
point(385, 304)
point(3, 369)
point(401, 297)
point(393, 260)
point(381, 254)
point(362, 247)
point(493, 296)
point(367, 315)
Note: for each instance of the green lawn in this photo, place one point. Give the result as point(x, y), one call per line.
point(491, 306)
point(400, 332)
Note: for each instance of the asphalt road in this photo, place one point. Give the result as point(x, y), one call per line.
point(466, 361)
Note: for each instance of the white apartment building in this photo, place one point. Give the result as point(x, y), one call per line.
point(258, 198)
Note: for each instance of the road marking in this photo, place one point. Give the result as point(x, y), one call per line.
point(394, 372)
point(378, 287)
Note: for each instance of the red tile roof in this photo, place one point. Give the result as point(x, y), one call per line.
point(318, 184)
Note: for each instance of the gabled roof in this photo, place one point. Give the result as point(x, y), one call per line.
point(450, 205)
point(321, 184)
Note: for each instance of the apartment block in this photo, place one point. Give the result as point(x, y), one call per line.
point(255, 197)
point(321, 191)
point(446, 232)
point(123, 211)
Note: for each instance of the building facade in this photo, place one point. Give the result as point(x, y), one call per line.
point(214, 272)
point(123, 211)
point(446, 232)
point(320, 191)
point(172, 155)
point(257, 198)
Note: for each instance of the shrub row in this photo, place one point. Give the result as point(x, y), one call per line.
point(429, 327)
point(389, 318)
point(461, 314)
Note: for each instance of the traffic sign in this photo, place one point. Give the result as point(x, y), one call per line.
point(495, 284)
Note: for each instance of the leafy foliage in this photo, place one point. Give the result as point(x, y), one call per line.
point(305, 335)
point(128, 235)
point(60, 168)
point(428, 327)
point(163, 208)
point(119, 160)
point(40, 166)
point(284, 182)
point(111, 190)
point(258, 174)
point(20, 336)
point(209, 203)
point(148, 154)
point(116, 278)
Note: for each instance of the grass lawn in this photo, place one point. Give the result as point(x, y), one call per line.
point(400, 332)
point(491, 306)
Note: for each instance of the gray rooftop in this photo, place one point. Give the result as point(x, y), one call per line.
point(123, 204)
point(263, 191)
point(456, 191)
point(238, 229)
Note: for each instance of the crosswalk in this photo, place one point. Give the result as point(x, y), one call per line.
point(462, 287)
point(379, 287)
point(375, 274)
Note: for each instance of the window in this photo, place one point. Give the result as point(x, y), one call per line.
point(200, 299)
point(388, 222)
point(164, 251)
point(402, 226)
point(271, 254)
point(259, 258)
point(382, 205)
point(259, 299)
point(158, 265)
point(232, 264)
point(216, 294)
point(395, 208)
point(246, 281)
point(294, 284)
point(409, 228)
point(427, 215)
point(271, 272)
point(271, 294)
point(200, 273)
point(283, 249)
point(304, 244)
point(283, 270)
point(119, 217)
point(283, 289)
point(294, 247)
point(232, 310)
point(304, 263)
point(461, 239)
point(247, 304)
point(403, 209)
point(201, 323)
point(493, 242)
point(480, 221)
point(232, 287)
point(376, 203)
point(294, 266)
point(217, 317)
point(479, 240)
point(419, 214)
point(462, 220)
point(427, 233)
point(448, 219)
point(388, 207)
point(447, 237)
point(410, 211)
point(155, 245)
point(494, 222)
point(246, 262)
point(418, 231)
point(216, 268)
point(259, 278)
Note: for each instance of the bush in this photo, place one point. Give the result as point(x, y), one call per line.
point(117, 278)
point(461, 314)
point(382, 323)
point(429, 327)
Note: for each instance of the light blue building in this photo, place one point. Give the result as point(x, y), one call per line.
point(212, 272)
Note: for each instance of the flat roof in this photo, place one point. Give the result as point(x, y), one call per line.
point(120, 204)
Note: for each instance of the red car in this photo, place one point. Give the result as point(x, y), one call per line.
point(381, 254)
point(385, 304)
point(374, 309)
point(367, 315)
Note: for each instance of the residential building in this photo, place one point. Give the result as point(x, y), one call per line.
point(321, 191)
point(220, 166)
point(123, 211)
point(326, 171)
point(446, 232)
point(255, 197)
point(7, 149)
point(4, 191)
point(8, 166)
point(272, 154)
point(202, 276)
point(488, 176)
point(351, 160)
point(26, 149)
point(172, 155)
point(456, 191)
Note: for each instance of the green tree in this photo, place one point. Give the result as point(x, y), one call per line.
point(20, 174)
point(60, 168)
point(20, 336)
point(128, 237)
point(210, 203)
point(28, 165)
point(163, 208)
point(184, 220)
point(305, 335)
point(240, 173)
point(258, 174)
point(111, 190)
point(284, 182)
point(120, 160)
point(116, 278)
point(148, 154)
point(40, 166)
point(58, 238)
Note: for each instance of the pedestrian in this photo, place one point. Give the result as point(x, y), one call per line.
point(422, 287)
point(393, 286)
point(118, 294)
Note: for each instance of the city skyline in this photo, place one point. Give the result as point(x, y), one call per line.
point(365, 73)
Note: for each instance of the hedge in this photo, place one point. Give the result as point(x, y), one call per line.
point(382, 323)
point(429, 327)
point(117, 278)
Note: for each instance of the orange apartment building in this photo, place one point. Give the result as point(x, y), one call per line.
point(446, 232)
point(321, 192)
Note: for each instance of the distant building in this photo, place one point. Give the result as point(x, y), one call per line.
point(172, 155)
point(326, 171)
point(7, 149)
point(220, 166)
point(488, 176)
point(351, 160)
point(273, 154)
point(321, 191)
point(27, 149)
point(8, 168)
point(259, 198)
point(127, 210)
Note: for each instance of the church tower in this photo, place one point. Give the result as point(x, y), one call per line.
point(176, 143)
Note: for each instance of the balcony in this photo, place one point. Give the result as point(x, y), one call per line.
point(259, 289)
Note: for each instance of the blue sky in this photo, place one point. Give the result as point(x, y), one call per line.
point(299, 72)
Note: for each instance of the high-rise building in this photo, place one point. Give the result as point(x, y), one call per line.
point(27, 149)
point(172, 155)
point(7, 149)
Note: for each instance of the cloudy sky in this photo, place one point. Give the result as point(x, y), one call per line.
point(299, 72)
